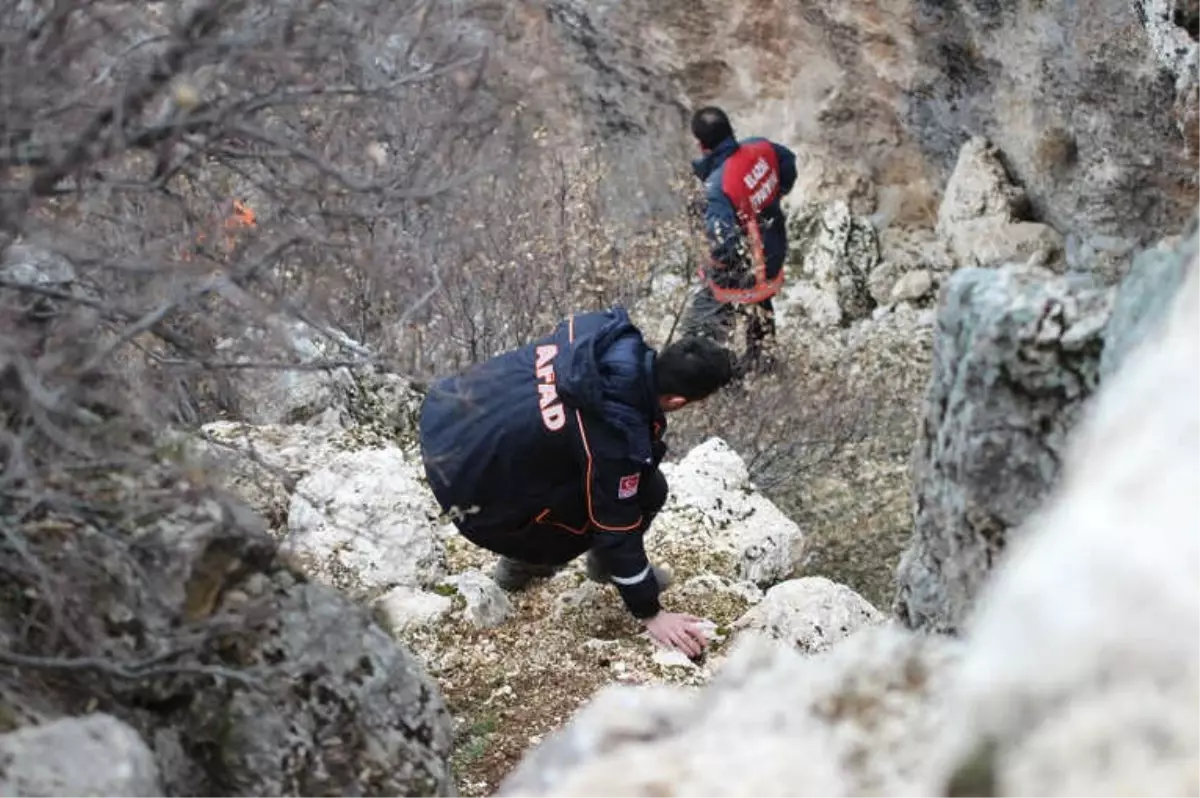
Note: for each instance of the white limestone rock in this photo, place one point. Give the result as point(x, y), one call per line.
point(89, 755)
point(366, 522)
point(404, 608)
point(811, 614)
point(487, 605)
point(913, 286)
point(855, 720)
point(1084, 664)
point(984, 216)
point(263, 463)
point(832, 253)
point(715, 520)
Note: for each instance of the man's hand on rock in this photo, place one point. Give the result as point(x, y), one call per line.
point(679, 631)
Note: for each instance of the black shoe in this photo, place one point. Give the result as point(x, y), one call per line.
point(514, 576)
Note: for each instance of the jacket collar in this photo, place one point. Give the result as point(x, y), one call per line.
point(708, 163)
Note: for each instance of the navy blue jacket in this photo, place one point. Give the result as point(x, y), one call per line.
point(563, 431)
point(720, 219)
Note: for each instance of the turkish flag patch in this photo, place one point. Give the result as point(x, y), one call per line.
point(627, 488)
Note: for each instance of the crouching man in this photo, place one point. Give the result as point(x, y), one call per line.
point(552, 450)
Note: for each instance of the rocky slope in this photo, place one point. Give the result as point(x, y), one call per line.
point(960, 286)
point(1077, 672)
point(217, 669)
point(879, 100)
point(347, 498)
point(515, 667)
point(554, 691)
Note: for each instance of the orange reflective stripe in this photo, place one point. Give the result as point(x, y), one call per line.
point(590, 506)
point(762, 289)
point(747, 296)
point(544, 518)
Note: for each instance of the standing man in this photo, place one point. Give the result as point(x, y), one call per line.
point(552, 450)
point(744, 182)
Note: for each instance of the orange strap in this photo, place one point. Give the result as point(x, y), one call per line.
point(763, 289)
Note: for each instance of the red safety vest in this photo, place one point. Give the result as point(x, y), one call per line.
point(750, 180)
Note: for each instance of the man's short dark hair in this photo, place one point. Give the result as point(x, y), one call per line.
point(711, 126)
point(693, 367)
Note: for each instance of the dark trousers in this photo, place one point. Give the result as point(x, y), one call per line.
point(711, 318)
point(549, 544)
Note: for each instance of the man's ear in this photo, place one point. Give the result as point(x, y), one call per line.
point(671, 402)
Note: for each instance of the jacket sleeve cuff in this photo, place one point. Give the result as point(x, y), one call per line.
point(641, 599)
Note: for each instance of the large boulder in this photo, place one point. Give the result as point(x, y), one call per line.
point(339, 707)
point(985, 218)
point(716, 521)
point(1082, 676)
point(831, 255)
point(366, 522)
point(812, 614)
point(245, 677)
point(263, 463)
point(1145, 296)
point(326, 702)
point(857, 719)
point(91, 755)
point(1016, 354)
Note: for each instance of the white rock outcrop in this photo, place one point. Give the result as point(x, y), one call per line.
point(366, 521)
point(904, 252)
point(811, 614)
point(1083, 673)
point(405, 608)
point(487, 605)
point(832, 254)
point(855, 720)
point(263, 463)
point(715, 520)
point(983, 216)
point(89, 755)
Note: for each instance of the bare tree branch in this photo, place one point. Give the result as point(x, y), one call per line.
point(201, 23)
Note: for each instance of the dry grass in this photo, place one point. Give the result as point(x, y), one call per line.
point(510, 686)
point(828, 438)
